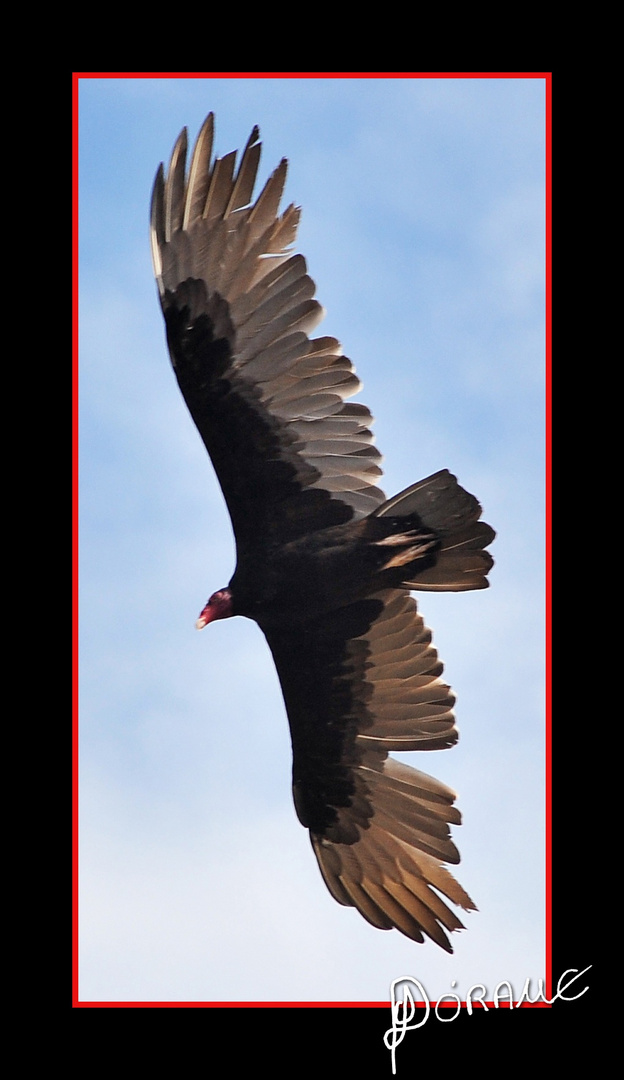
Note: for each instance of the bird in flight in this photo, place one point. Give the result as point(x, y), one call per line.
point(324, 561)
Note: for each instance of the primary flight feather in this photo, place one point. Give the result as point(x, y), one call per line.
point(324, 561)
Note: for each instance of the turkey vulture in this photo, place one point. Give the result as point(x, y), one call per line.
point(325, 562)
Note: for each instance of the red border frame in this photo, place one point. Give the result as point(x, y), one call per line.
point(548, 551)
point(547, 77)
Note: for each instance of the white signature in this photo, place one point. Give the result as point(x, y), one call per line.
point(404, 1008)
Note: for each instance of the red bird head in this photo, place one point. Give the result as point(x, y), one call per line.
point(218, 607)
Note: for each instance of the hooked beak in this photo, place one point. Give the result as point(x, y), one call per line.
point(218, 607)
point(209, 614)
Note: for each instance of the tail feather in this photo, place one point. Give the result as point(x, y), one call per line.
point(440, 504)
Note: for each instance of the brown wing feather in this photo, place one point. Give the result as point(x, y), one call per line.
point(356, 686)
point(244, 334)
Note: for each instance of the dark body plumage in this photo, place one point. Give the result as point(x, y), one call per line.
point(324, 561)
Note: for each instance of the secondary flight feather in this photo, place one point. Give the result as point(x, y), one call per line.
point(325, 563)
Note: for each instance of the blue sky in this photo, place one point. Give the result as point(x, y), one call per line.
point(423, 227)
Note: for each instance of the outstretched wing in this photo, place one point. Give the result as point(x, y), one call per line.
point(358, 685)
point(291, 456)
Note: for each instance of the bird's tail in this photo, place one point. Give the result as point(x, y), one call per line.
point(439, 504)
